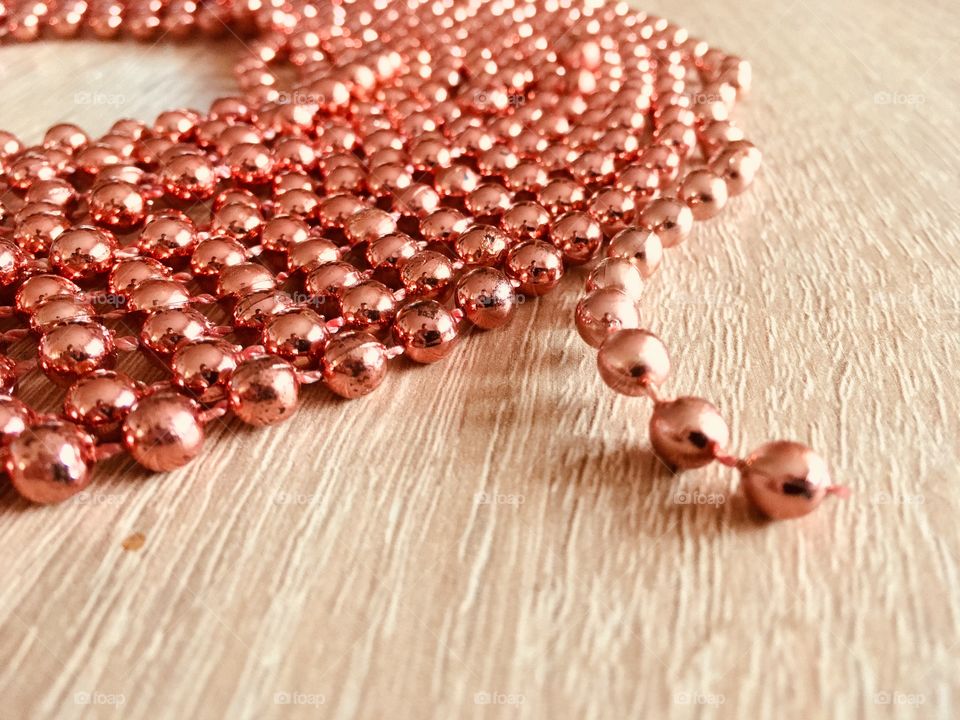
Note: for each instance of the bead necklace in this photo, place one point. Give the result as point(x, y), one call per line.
point(431, 161)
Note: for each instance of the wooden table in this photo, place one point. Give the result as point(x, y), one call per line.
point(490, 536)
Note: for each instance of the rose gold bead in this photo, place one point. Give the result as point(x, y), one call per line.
point(157, 294)
point(8, 375)
point(577, 235)
point(443, 225)
point(612, 208)
point(482, 245)
point(354, 364)
point(255, 308)
point(15, 417)
point(704, 193)
point(60, 308)
point(71, 350)
point(303, 203)
point(526, 221)
point(670, 219)
point(176, 124)
point(50, 462)
point(686, 432)
point(640, 181)
point(310, 254)
point(163, 330)
point(487, 297)
point(536, 265)
point(426, 330)
point(9, 144)
point(212, 255)
point(785, 480)
point(163, 431)
point(387, 252)
point(264, 390)
point(427, 274)
point(604, 312)
point(100, 401)
point(244, 278)
point(632, 360)
point(346, 179)
point(235, 195)
point(334, 211)
point(37, 288)
point(188, 177)
point(202, 364)
point(91, 159)
point(417, 200)
point(35, 233)
point(715, 135)
point(29, 209)
point(368, 225)
point(738, 164)
point(618, 273)
point(82, 252)
point(283, 231)
point(593, 167)
point(641, 247)
point(293, 181)
point(297, 335)
point(116, 205)
point(56, 192)
point(65, 135)
point(129, 272)
point(664, 160)
point(331, 279)
point(488, 199)
point(294, 154)
point(456, 180)
point(239, 220)
point(562, 195)
point(12, 263)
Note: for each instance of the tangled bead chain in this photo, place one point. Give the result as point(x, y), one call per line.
point(429, 161)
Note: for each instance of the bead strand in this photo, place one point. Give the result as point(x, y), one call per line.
point(428, 163)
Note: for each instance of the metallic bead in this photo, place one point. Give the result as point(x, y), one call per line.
point(785, 480)
point(426, 330)
point(641, 247)
point(354, 364)
point(264, 390)
point(536, 265)
point(604, 312)
point(100, 401)
point(50, 461)
point(686, 432)
point(630, 361)
point(162, 431)
point(617, 273)
point(669, 219)
point(487, 297)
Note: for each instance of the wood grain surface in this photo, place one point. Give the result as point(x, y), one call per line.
point(490, 537)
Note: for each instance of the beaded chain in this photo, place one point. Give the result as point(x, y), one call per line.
point(431, 162)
